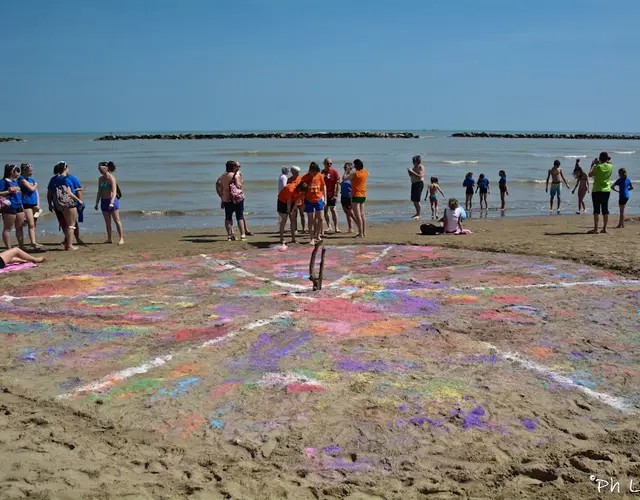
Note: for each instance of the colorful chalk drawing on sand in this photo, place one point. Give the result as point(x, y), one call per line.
point(402, 339)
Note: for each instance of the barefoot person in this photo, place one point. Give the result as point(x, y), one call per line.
point(62, 198)
point(432, 194)
point(314, 201)
point(78, 191)
point(108, 199)
point(557, 178)
point(283, 179)
point(416, 174)
point(13, 215)
point(30, 201)
point(468, 183)
point(582, 185)
point(624, 187)
point(345, 196)
point(229, 188)
point(287, 208)
point(332, 181)
point(295, 179)
point(17, 256)
point(601, 170)
point(359, 196)
point(483, 187)
point(504, 190)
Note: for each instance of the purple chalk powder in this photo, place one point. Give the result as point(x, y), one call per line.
point(354, 365)
point(529, 423)
point(332, 449)
point(471, 419)
point(402, 407)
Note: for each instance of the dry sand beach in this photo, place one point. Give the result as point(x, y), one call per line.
point(503, 364)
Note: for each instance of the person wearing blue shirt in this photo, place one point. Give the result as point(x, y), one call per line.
point(469, 183)
point(345, 196)
point(74, 183)
point(13, 215)
point(483, 187)
point(504, 192)
point(623, 183)
point(70, 213)
point(30, 201)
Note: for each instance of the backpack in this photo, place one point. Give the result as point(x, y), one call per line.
point(118, 192)
point(237, 196)
point(61, 198)
point(5, 202)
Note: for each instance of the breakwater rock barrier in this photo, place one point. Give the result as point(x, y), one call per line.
point(267, 135)
point(11, 139)
point(490, 135)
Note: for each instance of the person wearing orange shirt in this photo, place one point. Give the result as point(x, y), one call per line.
point(314, 200)
point(295, 179)
point(359, 196)
point(287, 199)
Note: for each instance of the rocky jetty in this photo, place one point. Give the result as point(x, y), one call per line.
point(269, 135)
point(11, 139)
point(489, 135)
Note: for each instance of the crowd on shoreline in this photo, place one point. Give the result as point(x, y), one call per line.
point(311, 198)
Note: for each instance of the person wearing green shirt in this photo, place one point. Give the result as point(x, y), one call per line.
point(601, 170)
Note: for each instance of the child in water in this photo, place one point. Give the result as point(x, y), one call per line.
point(432, 194)
point(483, 187)
point(504, 192)
point(469, 183)
point(582, 185)
point(623, 183)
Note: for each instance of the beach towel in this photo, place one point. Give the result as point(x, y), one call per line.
point(17, 267)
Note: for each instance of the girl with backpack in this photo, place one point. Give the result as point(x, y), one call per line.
point(61, 197)
point(11, 205)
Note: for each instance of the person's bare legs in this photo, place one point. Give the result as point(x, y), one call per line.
point(318, 224)
point(468, 204)
point(334, 216)
point(242, 227)
point(107, 224)
point(310, 227)
point(621, 220)
point(228, 225)
point(327, 222)
point(596, 221)
point(358, 221)
point(70, 215)
point(300, 210)
point(30, 221)
point(8, 222)
point(551, 205)
point(294, 223)
point(605, 221)
point(76, 233)
point(503, 201)
point(364, 221)
point(283, 223)
point(19, 229)
point(17, 255)
point(558, 202)
point(116, 219)
point(418, 208)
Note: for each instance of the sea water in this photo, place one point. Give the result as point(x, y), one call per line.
point(171, 184)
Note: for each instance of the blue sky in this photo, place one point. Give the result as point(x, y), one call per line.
point(140, 65)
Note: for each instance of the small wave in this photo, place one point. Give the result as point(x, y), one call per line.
point(530, 181)
point(427, 137)
point(574, 156)
point(624, 152)
point(461, 162)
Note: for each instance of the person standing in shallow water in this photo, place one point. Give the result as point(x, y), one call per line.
point(601, 170)
point(282, 180)
point(582, 185)
point(231, 206)
point(107, 197)
point(557, 178)
point(416, 174)
point(332, 182)
point(358, 180)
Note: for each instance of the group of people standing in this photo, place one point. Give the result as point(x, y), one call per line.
point(600, 172)
point(315, 195)
point(20, 203)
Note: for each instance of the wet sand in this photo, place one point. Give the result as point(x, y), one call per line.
point(358, 398)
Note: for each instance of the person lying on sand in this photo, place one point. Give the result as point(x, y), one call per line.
point(17, 256)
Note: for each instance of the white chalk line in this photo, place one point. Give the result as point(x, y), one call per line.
point(110, 380)
point(612, 401)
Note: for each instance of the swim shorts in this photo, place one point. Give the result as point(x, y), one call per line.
point(282, 207)
point(622, 200)
point(313, 207)
point(433, 197)
point(345, 201)
point(416, 190)
point(331, 202)
point(556, 190)
point(230, 208)
point(105, 202)
point(358, 199)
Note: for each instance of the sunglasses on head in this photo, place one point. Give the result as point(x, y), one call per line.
point(25, 165)
point(103, 164)
point(62, 163)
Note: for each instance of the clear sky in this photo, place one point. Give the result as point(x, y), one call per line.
point(147, 65)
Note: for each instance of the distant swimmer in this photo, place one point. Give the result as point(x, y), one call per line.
point(557, 178)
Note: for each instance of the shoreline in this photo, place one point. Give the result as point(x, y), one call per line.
point(265, 135)
point(515, 135)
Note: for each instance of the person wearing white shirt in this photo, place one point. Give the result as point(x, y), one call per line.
point(282, 180)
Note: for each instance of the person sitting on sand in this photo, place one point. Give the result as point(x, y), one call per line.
point(582, 185)
point(432, 194)
point(504, 191)
point(557, 178)
point(624, 187)
point(13, 215)
point(295, 179)
point(601, 170)
point(483, 187)
point(17, 256)
point(314, 201)
point(452, 221)
point(107, 197)
point(288, 209)
point(468, 183)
